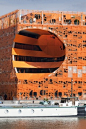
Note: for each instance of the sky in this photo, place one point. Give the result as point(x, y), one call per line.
point(7, 6)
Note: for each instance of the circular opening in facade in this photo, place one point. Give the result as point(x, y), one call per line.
point(37, 51)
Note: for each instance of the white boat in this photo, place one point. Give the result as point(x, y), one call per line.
point(66, 108)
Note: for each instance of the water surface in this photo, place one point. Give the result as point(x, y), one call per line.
point(43, 123)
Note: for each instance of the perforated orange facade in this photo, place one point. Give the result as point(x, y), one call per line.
point(18, 79)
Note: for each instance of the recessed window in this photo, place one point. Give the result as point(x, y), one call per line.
point(29, 34)
point(53, 20)
point(27, 47)
point(60, 94)
point(79, 93)
point(76, 22)
point(42, 92)
point(36, 70)
point(38, 59)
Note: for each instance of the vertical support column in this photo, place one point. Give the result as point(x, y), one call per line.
point(71, 87)
point(42, 17)
point(62, 17)
point(81, 19)
point(20, 15)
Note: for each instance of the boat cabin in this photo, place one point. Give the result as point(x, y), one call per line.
point(69, 101)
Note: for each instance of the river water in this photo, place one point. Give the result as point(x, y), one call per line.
point(43, 123)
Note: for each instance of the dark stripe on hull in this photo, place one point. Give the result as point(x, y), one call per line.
point(81, 111)
point(37, 116)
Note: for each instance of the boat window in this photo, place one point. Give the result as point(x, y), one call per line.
point(63, 100)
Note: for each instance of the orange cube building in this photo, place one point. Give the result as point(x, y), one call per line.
point(42, 54)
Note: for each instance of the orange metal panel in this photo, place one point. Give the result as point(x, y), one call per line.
point(33, 77)
point(22, 64)
point(25, 39)
point(16, 51)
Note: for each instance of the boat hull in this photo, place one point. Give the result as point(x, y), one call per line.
point(39, 112)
